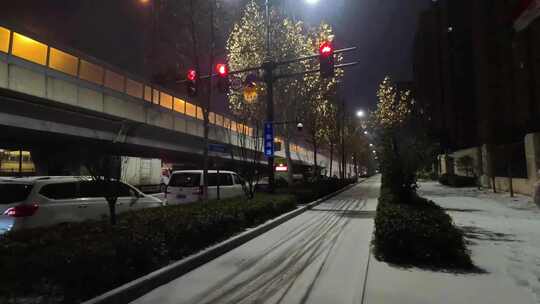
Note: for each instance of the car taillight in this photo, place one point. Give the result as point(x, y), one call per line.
point(22, 210)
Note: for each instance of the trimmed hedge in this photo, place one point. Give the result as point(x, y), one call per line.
point(418, 234)
point(457, 181)
point(310, 191)
point(76, 261)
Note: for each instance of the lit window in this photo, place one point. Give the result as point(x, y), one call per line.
point(226, 122)
point(63, 62)
point(179, 105)
point(155, 96)
point(29, 49)
point(4, 39)
point(233, 126)
point(212, 117)
point(191, 110)
point(114, 81)
point(219, 120)
point(148, 93)
point(166, 100)
point(91, 72)
point(134, 88)
point(200, 113)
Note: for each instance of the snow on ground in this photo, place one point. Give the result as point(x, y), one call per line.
point(504, 236)
point(319, 256)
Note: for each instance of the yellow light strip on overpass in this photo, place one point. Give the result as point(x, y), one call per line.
point(4, 39)
point(39, 53)
point(29, 49)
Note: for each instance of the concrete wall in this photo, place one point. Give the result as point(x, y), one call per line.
point(520, 185)
point(483, 157)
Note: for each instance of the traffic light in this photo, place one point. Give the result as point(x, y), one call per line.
point(191, 83)
point(326, 58)
point(223, 77)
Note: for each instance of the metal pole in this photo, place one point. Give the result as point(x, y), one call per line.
point(20, 161)
point(206, 111)
point(268, 67)
point(269, 78)
point(218, 194)
point(343, 160)
point(267, 8)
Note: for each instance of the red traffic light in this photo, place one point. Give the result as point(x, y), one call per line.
point(326, 49)
point(222, 70)
point(191, 75)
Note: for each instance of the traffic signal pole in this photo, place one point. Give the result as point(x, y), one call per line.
point(269, 67)
point(270, 78)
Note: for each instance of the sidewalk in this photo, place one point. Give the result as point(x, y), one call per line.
point(319, 256)
point(505, 242)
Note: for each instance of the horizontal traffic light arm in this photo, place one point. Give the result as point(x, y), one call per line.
point(283, 63)
point(339, 66)
point(314, 56)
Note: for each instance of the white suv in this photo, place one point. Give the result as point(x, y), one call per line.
point(41, 201)
point(186, 186)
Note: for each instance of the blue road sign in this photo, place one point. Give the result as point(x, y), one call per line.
point(219, 148)
point(268, 139)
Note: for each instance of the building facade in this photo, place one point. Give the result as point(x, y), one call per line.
point(475, 75)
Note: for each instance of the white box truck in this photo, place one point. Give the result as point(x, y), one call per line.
point(143, 173)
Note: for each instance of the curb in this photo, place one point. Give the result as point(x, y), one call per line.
point(141, 286)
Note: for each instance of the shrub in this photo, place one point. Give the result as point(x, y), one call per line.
point(310, 191)
point(77, 261)
point(453, 180)
point(418, 234)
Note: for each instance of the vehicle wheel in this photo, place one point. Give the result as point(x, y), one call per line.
point(162, 188)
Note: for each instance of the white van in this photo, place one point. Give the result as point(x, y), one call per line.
point(186, 186)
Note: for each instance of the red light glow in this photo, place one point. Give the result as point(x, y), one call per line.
point(22, 210)
point(222, 70)
point(192, 75)
point(326, 49)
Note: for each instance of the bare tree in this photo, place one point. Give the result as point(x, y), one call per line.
point(105, 170)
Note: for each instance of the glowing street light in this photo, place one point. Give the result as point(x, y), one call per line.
point(371, 145)
point(312, 1)
point(360, 113)
point(366, 133)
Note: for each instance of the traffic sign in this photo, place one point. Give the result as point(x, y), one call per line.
point(268, 139)
point(218, 148)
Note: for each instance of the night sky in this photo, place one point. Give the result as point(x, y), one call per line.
point(383, 30)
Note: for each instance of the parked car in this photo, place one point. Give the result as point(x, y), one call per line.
point(186, 186)
point(42, 201)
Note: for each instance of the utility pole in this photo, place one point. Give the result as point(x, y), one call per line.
point(343, 158)
point(268, 67)
point(206, 111)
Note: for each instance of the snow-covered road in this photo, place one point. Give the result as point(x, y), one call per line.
point(319, 256)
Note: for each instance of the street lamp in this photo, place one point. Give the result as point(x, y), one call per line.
point(360, 114)
point(371, 145)
point(366, 133)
